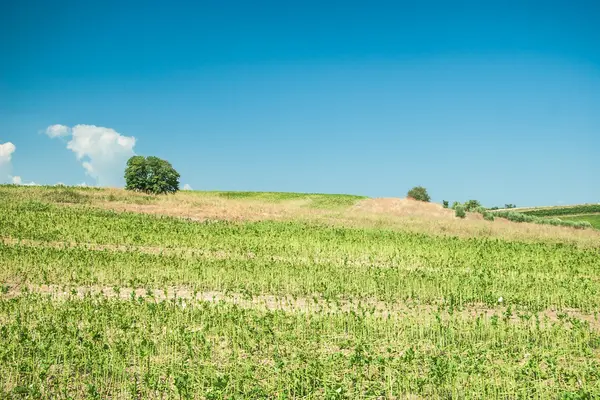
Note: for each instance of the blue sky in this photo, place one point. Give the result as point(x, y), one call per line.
point(496, 100)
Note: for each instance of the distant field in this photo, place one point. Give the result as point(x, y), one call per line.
point(559, 210)
point(593, 219)
point(207, 295)
point(583, 212)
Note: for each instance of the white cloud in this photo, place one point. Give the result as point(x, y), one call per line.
point(187, 187)
point(6, 151)
point(58, 130)
point(16, 180)
point(103, 152)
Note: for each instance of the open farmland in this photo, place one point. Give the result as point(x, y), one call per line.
point(593, 219)
point(107, 294)
point(584, 212)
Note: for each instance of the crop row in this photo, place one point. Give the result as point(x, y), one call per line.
point(515, 216)
point(558, 211)
point(99, 348)
point(530, 277)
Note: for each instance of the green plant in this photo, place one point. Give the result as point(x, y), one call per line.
point(459, 211)
point(480, 210)
point(593, 219)
point(418, 193)
point(62, 194)
point(151, 175)
point(471, 205)
point(445, 203)
point(106, 304)
point(455, 204)
point(488, 216)
point(521, 217)
point(560, 211)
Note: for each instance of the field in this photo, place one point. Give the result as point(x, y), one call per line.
point(584, 212)
point(593, 219)
point(221, 295)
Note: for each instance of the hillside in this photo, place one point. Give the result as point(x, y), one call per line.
point(341, 210)
point(110, 294)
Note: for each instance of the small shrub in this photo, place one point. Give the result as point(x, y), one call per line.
point(419, 193)
point(445, 203)
point(488, 216)
point(510, 206)
point(459, 211)
point(67, 195)
point(34, 205)
point(471, 205)
point(577, 224)
point(455, 204)
point(480, 210)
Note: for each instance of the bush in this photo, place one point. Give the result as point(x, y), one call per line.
point(510, 206)
point(445, 203)
point(480, 210)
point(418, 193)
point(488, 216)
point(455, 204)
point(471, 205)
point(459, 211)
point(151, 175)
point(66, 195)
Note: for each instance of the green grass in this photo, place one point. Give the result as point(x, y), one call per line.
point(314, 199)
point(426, 319)
point(593, 219)
point(560, 210)
point(99, 348)
point(85, 195)
point(515, 216)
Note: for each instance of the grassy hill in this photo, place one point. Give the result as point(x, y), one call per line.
point(110, 294)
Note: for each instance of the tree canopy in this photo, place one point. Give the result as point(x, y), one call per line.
point(151, 175)
point(419, 193)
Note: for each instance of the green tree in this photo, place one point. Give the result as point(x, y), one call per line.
point(459, 211)
point(445, 203)
point(471, 205)
point(151, 175)
point(418, 193)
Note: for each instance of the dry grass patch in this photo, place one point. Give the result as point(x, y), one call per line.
point(389, 213)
